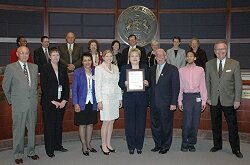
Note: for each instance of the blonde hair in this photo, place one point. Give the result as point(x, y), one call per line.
point(106, 52)
point(134, 50)
point(194, 39)
point(154, 42)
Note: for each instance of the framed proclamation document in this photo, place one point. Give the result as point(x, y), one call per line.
point(135, 78)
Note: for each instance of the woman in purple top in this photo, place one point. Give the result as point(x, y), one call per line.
point(84, 101)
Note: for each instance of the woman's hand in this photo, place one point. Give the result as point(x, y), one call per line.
point(100, 106)
point(126, 83)
point(77, 108)
point(62, 104)
point(180, 107)
point(120, 103)
point(57, 104)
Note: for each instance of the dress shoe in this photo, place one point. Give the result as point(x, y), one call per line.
point(34, 157)
point(92, 150)
point(111, 150)
point(18, 161)
point(131, 152)
point(191, 149)
point(51, 155)
point(105, 153)
point(61, 149)
point(139, 151)
point(163, 151)
point(238, 154)
point(214, 149)
point(86, 153)
point(155, 149)
point(184, 149)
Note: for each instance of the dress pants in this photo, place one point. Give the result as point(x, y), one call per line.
point(191, 118)
point(231, 119)
point(20, 120)
point(135, 111)
point(162, 126)
point(53, 118)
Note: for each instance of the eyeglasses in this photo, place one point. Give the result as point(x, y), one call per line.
point(220, 49)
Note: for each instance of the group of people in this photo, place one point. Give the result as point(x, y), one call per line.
point(172, 79)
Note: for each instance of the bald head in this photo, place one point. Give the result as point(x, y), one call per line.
point(23, 54)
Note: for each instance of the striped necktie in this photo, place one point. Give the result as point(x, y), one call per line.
point(70, 53)
point(25, 71)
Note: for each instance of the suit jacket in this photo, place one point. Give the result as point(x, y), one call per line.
point(178, 61)
point(19, 94)
point(166, 91)
point(80, 88)
point(49, 84)
point(124, 57)
point(40, 58)
point(76, 55)
point(229, 87)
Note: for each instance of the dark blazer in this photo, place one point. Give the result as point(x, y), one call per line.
point(124, 59)
point(76, 55)
point(40, 58)
point(166, 91)
point(49, 84)
point(151, 59)
point(80, 88)
point(201, 58)
point(119, 59)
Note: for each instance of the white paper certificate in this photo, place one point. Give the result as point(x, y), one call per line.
point(135, 79)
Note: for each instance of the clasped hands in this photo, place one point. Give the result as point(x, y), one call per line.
point(145, 82)
point(59, 104)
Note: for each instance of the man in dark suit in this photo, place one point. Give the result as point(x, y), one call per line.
point(70, 53)
point(41, 55)
point(224, 87)
point(165, 86)
point(123, 58)
point(20, 88)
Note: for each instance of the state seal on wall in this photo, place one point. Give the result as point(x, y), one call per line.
point(138, 20)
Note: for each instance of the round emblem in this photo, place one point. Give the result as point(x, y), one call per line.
point(138, 20)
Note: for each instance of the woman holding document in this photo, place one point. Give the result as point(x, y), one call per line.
point(135, 100)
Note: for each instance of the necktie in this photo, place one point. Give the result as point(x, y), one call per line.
point(25, 71)
point(70, 53)
point(220, 69)
point(158, 73)
point(46, 54)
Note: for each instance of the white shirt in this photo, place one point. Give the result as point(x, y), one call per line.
point(21, 63)
point(223, 63)
point(68, 45)
point(89, 97)
point(45, 49)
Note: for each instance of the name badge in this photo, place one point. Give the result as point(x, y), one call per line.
point(198, 99)
point(60, 88)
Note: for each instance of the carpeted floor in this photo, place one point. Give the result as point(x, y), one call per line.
point(174, 157)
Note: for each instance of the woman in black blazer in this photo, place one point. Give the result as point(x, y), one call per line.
point(55, 94)
point(135, 104)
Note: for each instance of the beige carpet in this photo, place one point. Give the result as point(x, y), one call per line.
point(174, 157)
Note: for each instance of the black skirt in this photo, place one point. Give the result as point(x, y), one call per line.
point(86, 117)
